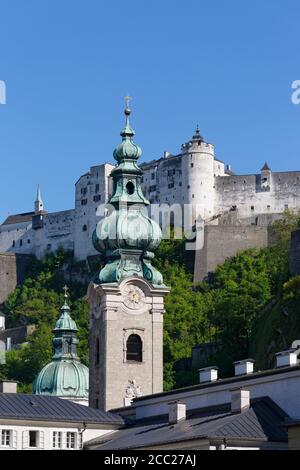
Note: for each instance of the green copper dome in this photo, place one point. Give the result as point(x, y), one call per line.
point(65, 322)
point(127, 236)
point(65, 376)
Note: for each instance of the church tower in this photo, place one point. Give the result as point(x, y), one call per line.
point(38, 203)
point(65, 376)
point(127, 296)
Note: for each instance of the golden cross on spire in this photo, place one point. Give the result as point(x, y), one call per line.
point(65, 288)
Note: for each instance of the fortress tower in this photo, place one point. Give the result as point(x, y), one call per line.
point(198, 170)
point(127, 296)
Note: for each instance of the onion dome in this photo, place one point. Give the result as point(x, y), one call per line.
point(127, 236)
point(127, 149)
point(65, 376)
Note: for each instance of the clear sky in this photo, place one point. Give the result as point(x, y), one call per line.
point(67, 64)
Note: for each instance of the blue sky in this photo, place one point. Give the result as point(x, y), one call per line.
point(225, 65)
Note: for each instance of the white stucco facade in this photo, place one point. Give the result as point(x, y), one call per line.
point(44, 435)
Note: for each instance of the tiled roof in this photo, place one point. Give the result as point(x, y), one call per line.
point(262, 422)
point(18, 218)
point(47, 408)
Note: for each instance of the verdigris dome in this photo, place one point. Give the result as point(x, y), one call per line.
point(64, 379)
point(65, 376)
point(127, 230)
point(127, 236)
point(65, 322)
point(127, 148)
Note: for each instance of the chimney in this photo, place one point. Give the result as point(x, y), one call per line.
point(8, 386)
point(240, 400)
point(209, 374)
point(167, 154)
point(177, 412)
point(244, 367)
point(286, 358)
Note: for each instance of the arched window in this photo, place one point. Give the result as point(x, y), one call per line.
point(97, 355)
point(134, 349)
point(84, 228)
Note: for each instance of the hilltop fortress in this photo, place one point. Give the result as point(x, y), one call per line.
point(237, 209)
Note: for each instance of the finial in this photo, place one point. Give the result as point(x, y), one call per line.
point(65, 289)
point(127, 101)
point(127, 110)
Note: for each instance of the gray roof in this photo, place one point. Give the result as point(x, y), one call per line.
point(261, 422)
point(219, 383)
point(48, 408)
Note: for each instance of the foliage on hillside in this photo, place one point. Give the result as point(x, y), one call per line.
point(38, 301)
point(250, 307)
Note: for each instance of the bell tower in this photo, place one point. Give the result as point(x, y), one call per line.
point(127, 295)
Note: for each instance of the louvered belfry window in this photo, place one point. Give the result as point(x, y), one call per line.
point(134, 349)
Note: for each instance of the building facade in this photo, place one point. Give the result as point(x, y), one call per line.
point(40, 422)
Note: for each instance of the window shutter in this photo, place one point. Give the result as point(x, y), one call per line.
point(14, 441)
point(41, 439)
point(25, 439)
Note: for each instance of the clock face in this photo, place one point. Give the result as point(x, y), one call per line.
point(134, 297)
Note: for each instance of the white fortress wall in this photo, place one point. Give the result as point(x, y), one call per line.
point(57, 231)
point(14, 238)
point(249, 196)
point(91, 190)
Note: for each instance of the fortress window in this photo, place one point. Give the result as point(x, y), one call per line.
point(84, 228)
point(13, 243)
point(180, 183)
point(83, 191)
point(171, 185)
point(252, 208)
point(268, 207)
point(142, 179)
point(193, 196)
point(286, 206)
point(28, 241)
point(97, 187)
point(188, 187)
point(134, 349)
point(49, 246)
point(153, 176)
point(84, 202)
point(192, 165)
point(174, 171)
point(21, 242)
point(97, 198)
